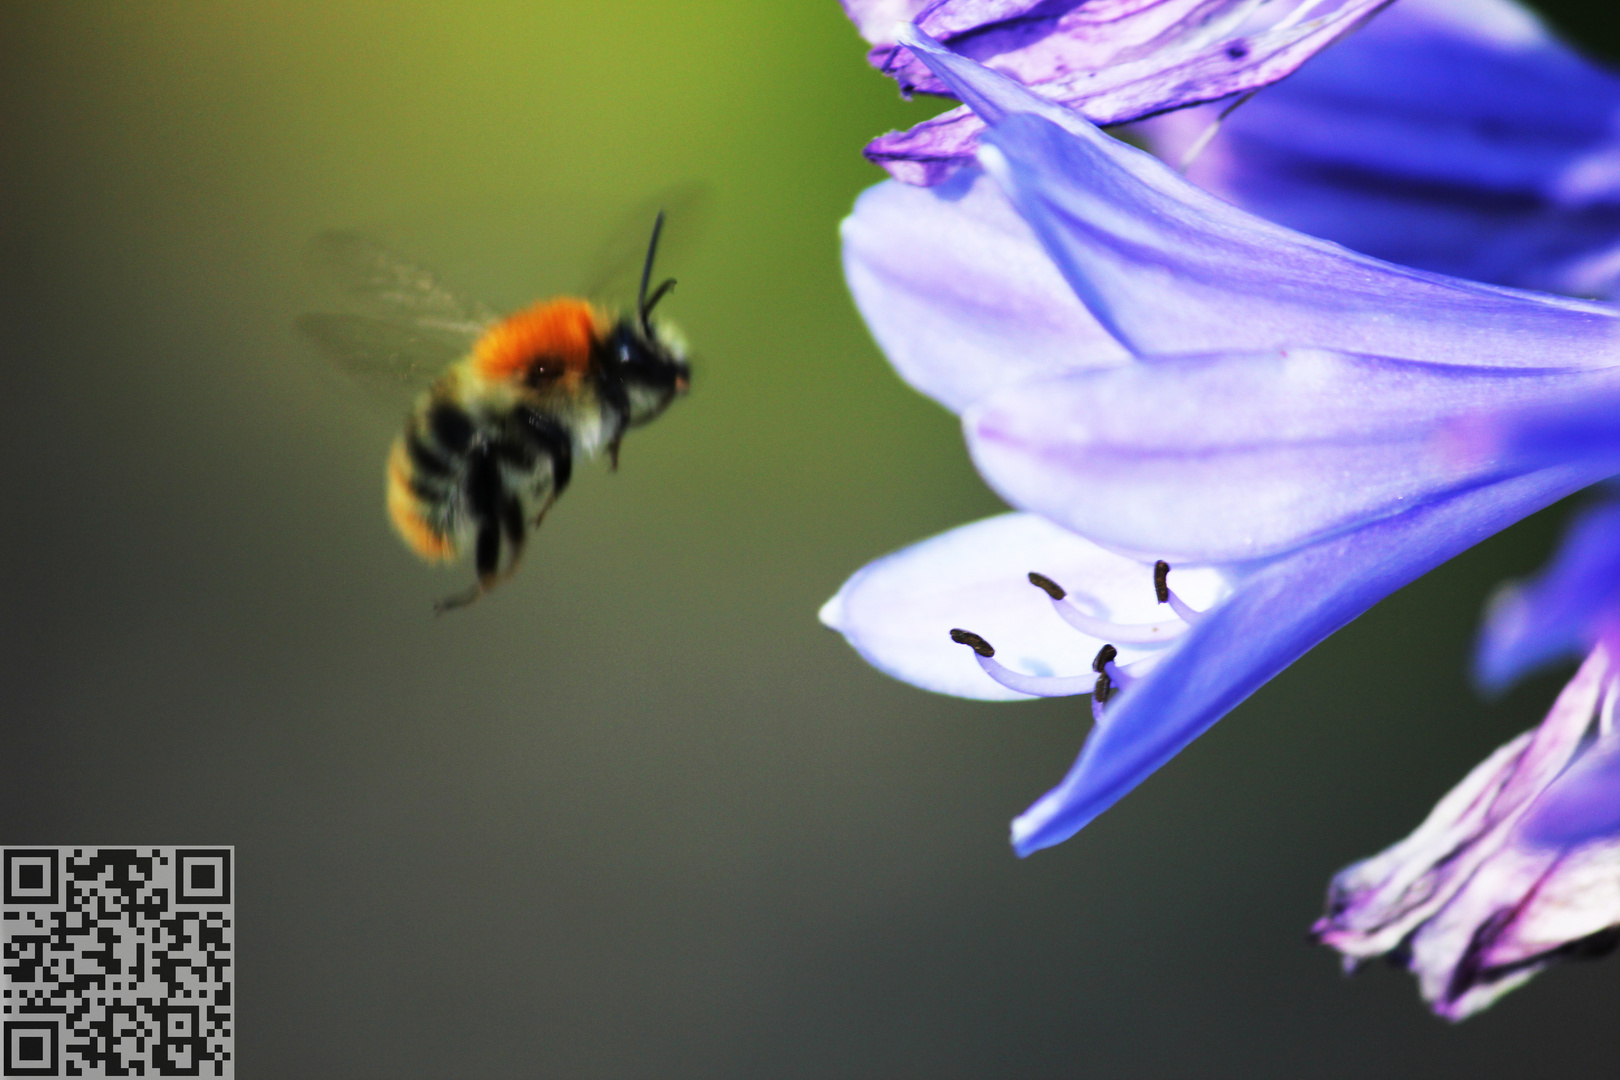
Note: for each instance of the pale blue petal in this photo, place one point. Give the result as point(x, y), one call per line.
point(960, 295)
point(877, 19)
point(1236, 456)
point(1170, 268)
point(898, 612)
point(1278, 612)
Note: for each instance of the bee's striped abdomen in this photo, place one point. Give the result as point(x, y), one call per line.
point(425, 471)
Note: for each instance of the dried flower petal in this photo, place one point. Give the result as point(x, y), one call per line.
point(1477, 900)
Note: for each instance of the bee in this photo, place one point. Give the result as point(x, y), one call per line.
point(491, 443)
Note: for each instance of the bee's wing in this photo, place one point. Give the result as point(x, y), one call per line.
point(615, 274)
point(394, 287)
point(391, 360)
point(417, 326)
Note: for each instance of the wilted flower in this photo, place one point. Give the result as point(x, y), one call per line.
point(1519, 866)
point(1451, 135)
point(1261, 407)
point(1493, 886)
point(1111, 62)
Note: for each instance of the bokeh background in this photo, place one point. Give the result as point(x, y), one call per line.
point(638, 814)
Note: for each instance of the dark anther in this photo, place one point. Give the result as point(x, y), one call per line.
point(972, 641)
point(1103, 690)
point(1047, 585)
point(1105, 656)
point(1161, 581)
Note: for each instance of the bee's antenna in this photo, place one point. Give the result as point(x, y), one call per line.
point(644, 303)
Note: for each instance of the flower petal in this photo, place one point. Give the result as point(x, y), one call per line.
point(1469, 905)
point(877, 19)
point(1581, 806)
point(1520, 913)
point(1564, 609)
point(1452, 135)
point(1240, 455)
point(1586, 427)
point(898, 611)
point(1278, 612)
point(960, 295)
point(1167, 267)
point(1111, 62)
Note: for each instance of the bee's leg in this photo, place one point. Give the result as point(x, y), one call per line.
point(617, 402)
point(487, 558)
point(551, 439)
point(516, 529)
point(619, 429)
point(483, 501)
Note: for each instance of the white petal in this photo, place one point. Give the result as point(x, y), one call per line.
point(898, 611)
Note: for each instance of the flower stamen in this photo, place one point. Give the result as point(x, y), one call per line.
point(1034, 685)
point(1111, 677)
point(1167, 595)
point(1130, 634)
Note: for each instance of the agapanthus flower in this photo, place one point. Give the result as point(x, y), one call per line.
point(1111, 61)
point(1567, 610)
point(1452, 135)
point(1519, 866)
point(1268, 415)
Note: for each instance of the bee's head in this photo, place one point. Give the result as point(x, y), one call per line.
point(649, 362)
point(648, 359)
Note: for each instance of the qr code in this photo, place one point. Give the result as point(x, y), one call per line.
point(118, 961)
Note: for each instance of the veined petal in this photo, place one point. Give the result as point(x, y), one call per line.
point(1111, 62)
point(1278, 611)
point(1457, 136)
point(1564, 609)
point(1235, 456)
point(898, 612)
point(1167, 267)
point(960, 295)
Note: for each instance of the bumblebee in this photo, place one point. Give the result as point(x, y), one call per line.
point(491, 444)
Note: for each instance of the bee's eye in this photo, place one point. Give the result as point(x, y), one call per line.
point(624, 353)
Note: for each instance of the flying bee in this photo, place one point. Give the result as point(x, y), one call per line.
point(491, 443)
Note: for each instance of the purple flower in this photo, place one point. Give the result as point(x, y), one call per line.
point(1112, 61)
point(1451, 135)
point(1268, 414)
point(1510, 872)
point(1566, 610)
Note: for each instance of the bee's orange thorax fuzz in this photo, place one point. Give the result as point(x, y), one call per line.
point(559, 332)
point(406, 511)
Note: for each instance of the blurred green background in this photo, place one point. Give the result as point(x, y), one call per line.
point(638, 814)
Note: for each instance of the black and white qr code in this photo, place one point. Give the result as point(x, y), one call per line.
point(118, 961)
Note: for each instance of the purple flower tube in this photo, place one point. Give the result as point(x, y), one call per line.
point(1226, 439)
